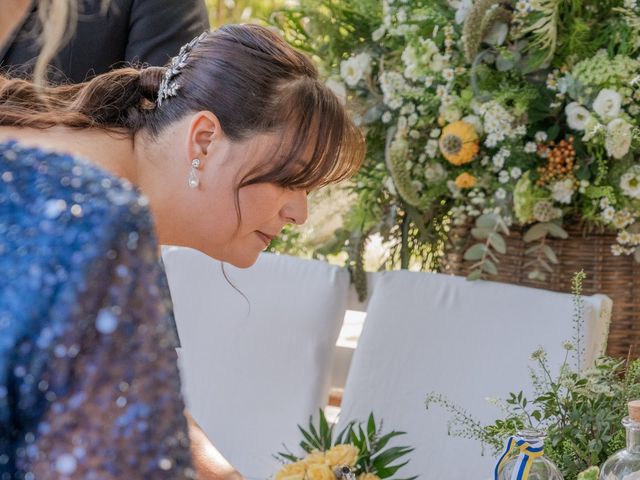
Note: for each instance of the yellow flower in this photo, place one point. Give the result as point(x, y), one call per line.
point(466, 180)
point(368, 476)
point(342, 455)
point(320, 472)
point(314, 458)
point(459, 142)
point(292, 471)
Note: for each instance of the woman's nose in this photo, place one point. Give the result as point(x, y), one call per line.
point(295, 209)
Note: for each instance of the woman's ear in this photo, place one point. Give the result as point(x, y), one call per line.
point(204, 130)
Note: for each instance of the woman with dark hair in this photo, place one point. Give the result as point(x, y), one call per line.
point(224, 145)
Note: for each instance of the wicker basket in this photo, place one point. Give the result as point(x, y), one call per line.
point(616, 277)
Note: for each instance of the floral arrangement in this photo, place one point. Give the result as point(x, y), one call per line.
point(580, 410)
point(357, 452)
point(500, 113)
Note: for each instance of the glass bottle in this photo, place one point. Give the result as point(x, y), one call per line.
point(541, 468)
point(625, 464)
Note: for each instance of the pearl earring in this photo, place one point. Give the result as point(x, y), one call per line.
point(194, 179)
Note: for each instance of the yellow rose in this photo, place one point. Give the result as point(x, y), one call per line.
point(368, 476)
point(292, 471)
point(314, 458)
point(466, 180)
point(320, 472)
point(342, 455)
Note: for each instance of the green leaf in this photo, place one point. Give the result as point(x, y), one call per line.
point(480, 233)
point(488, 220)
point(496, 240)
point(490, 267)
point(556, 230)
point(383, 440)
point(536, 232)
point(475, 252)
point(550, 254)
point(533, 249)
point(390, 455)
point(474, 275)
point(371, 426)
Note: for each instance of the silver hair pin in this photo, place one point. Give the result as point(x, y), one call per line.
point(169, 86)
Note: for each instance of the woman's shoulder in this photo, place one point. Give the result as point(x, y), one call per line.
point(37, 185)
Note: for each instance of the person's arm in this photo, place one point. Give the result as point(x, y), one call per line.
point(158, 28)
point(207, 460)
point(110, 381)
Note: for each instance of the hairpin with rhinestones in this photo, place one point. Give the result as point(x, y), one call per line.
point(169, 86)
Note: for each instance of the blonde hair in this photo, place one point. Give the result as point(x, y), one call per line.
point(57, 19)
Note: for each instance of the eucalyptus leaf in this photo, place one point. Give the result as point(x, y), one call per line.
point(556, 230)
point(474, 275)
point(550, 254)
point(498, 243)
point(536, 232)
point(490, 267)
point(475, 252)
point(480, 233)
point(488, 220)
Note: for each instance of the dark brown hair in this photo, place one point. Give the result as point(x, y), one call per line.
point(248, 76)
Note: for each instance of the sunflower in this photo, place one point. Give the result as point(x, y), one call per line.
point(466, 180)
point(459, 142)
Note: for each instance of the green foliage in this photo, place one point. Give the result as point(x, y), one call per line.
point(580, 410)
point(374, 454)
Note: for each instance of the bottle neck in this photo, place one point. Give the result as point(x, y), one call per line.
point(633, 435)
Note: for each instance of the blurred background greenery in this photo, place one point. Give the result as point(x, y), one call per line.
point(242, 11)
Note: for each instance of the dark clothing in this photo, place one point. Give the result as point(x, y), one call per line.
point(131, 31)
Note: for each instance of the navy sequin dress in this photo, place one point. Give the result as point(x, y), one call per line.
point(89, 385)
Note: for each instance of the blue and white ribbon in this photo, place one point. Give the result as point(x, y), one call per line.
point(529, 451)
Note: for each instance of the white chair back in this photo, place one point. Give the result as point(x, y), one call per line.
point(254, 368)
point(466, 340)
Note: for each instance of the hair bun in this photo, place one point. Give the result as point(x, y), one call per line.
point(150, 79)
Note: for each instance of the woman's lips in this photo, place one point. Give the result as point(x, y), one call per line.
point(265, 238)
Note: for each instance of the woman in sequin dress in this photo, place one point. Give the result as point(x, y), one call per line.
point(224, 146)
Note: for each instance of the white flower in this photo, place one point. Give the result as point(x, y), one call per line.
point(435, 133)
point(624, 237)
point(378, 33)
point(428, 81)
point(438, 62)
point(516, 172)
point(630, 183)
point(562, 191)
point(591, 127)
point(622, 219)
point(617, 250)
point(338, 88)
point(463, 9)
point(393, 86)
point(541, 136)
point(607, 104)
point(608, 214)
point(354, 68)
point(450, 113)
point(530, 147)
point(434, 173)
point(386, 117)
point(448, 74)
point(498, 161)
point(503, 176)
point(431, 149)
point(577, 116)
point(618, 140)
point(500, 194)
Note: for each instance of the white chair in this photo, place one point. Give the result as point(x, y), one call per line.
point(254, 368)
point(466, 340)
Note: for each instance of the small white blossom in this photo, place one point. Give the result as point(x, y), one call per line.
point(500, 194)
point(541, 136)
point(503, 176)
point(353, 69)
point(516, 172)
point(531, 147)
point(386, 117)
point(434, 173)
point(630, 183)
point(562, 191)
point(431, 148)
point(618, 140)
point(577, 116)
point(607, 104)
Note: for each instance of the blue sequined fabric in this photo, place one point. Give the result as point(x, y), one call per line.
point(89, 385)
